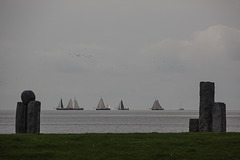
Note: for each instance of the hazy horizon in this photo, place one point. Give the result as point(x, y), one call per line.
point(136, 51)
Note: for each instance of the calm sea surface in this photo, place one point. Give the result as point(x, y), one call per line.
point(114, 121)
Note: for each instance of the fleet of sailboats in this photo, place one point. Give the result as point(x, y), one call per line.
point(71, 105)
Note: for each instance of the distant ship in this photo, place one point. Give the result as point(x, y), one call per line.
point(157, 106)
point(121, 106)
point(181, 109)
point(70, 105)
point(101, 105)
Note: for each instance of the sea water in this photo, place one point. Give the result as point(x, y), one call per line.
point(114, 121)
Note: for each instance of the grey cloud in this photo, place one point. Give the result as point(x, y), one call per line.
point(216, 42)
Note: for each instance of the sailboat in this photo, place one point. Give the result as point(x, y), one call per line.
point(101, 105)
point(157, 106)
point(60, 105)
point(70, 105)
point(121, 106)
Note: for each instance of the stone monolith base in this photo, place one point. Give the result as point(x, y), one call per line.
point(219, 117)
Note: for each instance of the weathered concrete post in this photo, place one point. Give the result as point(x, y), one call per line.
point(33, 117)
point(194, 125)
point(28, 114)
point(219, 117)
point(205, 107)
point(21, 118)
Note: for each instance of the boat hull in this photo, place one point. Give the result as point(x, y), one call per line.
point(158, 109)
point(124, 109)
point(102, 108)
point(69, 108)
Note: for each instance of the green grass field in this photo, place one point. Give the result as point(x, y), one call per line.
point(134, 146)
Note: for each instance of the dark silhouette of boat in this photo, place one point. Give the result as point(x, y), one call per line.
point(121, 106)
point(157, 106)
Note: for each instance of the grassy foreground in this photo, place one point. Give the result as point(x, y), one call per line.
point(134, 146)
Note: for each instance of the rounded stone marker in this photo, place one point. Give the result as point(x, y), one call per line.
point(27, 96)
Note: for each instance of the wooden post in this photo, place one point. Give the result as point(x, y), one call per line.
point(21, 118)
point(205, 107)
point(33, 117)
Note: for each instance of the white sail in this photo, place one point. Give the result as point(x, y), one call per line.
point(59, 105)
point(76, 104)
point(119, 106)
point(157, 106)
point(101, 104)
point(70, 104)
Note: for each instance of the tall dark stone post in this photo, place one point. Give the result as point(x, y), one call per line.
point(205, 108)
point(194, 125)
point(33, 117)
point(219, 117)
point(21, 118)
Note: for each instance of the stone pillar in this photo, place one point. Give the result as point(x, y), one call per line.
point(205, 107)
point(33, 117)
point(219, 117)
point(21, 118)
point(28, 114)
point(194, 125)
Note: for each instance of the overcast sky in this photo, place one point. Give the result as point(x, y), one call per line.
point(134, 50)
